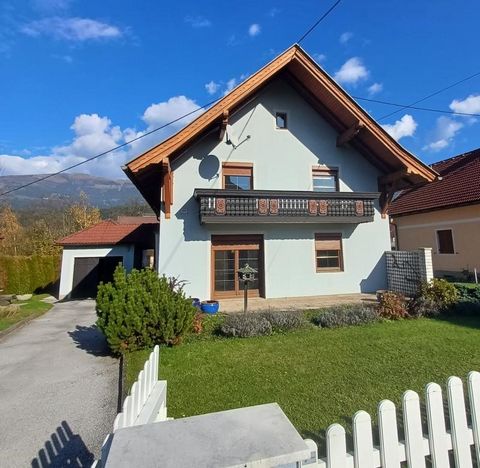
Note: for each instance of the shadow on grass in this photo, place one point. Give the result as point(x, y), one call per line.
point(64, 448)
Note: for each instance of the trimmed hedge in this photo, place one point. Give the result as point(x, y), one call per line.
point(24, 275)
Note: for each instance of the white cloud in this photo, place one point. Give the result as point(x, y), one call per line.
point(274, 12)
point(319, 58)
point(231, 83)
point(94, 134)
point(444, 133)
point(254, 30)
point(375, 88)
point(345, 37)
point(212, 87)
point(405, 127)
point(71, 29)
point(469, 105)
point(351, 72)
point(198, 21)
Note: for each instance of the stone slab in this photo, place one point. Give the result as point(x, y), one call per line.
point(254, 436)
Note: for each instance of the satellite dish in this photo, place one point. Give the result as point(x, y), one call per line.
point(230, 137)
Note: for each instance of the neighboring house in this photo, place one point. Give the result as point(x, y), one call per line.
point(444, 215)
point(286, 173)
point(91, 255)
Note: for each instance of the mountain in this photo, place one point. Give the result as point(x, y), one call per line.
point(63, 189)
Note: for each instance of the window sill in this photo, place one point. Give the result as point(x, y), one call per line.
point(329, 270)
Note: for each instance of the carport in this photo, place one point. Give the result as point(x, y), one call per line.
point(91, 256)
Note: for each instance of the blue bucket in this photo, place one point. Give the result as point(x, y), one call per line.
point(210, 307)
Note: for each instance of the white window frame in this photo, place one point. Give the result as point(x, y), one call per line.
point(453, 241)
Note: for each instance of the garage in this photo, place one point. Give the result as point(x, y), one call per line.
point(91, 256)
point(88, 272)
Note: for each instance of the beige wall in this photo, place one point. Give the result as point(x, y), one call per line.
point(419, 230)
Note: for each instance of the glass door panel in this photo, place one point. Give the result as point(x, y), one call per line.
point(225, 275)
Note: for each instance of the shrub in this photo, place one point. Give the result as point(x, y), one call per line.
point(392, 306)
point(22, 274)
point(344, 315)
point(139, 310)
point(433, 298)
point(245, 325)
point(284, 321)
point(468, 292)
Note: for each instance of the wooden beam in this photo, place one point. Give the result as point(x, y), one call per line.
point(349, 134)
point(167, 188)
point(223, 126)
point(394, 176)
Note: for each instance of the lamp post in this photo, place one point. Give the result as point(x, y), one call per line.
point(247, 275)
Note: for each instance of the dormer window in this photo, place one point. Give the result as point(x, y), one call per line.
point(237, 176)
point(325, 179)
point(281, 120)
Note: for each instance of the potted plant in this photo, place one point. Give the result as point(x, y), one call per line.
point(210, 307)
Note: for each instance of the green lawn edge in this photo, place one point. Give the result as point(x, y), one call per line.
point(29, 310)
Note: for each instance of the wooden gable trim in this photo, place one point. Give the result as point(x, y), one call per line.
point(167, 189)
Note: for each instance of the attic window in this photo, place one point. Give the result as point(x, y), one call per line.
point(281, 120)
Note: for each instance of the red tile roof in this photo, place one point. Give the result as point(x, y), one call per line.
point(459, 185)
point(126, 230)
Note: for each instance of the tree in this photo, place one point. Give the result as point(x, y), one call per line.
point(81, 215)
point(11, 232)
point(42, 237)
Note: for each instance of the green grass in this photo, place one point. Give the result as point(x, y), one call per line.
point(31, 309)
point(317, 376)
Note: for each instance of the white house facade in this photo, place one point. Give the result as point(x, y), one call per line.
point(274, 183)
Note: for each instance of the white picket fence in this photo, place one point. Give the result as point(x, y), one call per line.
point(440, 439)
point(146, 403)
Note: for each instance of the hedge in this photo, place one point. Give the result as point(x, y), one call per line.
point(22, 274)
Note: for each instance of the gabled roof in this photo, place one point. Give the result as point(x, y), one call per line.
point(321, 91)
point(459, 185)
point(125, 230)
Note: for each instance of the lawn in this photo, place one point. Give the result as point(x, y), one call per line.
point(31, 309)
point(317, 376)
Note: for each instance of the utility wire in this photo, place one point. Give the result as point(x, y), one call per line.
point(429, 96)
point(48, 176)
point(319, 21)
point(404, 106)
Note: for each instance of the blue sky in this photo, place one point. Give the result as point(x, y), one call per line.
point(78, 77)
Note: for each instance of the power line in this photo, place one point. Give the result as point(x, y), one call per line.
point(430, 95)
point(48, 176)
point(405, 106)
point(143, 135)
point(319, 21)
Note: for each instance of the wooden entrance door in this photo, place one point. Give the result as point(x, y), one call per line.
point(229, 253)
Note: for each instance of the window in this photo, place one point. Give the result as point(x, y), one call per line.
point(281, 119)
point(325, 179)
point(445, 241)
point(328, 252)
point(237, 176)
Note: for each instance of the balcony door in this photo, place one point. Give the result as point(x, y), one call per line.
point(229, 253)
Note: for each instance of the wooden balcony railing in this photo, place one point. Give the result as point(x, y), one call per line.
point(271, 206)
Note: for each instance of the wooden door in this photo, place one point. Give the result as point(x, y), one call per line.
point(229, 253)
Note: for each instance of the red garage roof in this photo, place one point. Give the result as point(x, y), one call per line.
point(126, 230)
point(459, 185)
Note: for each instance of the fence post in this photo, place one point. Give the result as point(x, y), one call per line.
point(426, 265)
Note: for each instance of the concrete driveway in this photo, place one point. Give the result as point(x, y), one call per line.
point(58, 390)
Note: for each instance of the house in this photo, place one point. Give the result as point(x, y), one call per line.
point(91, 255)
point(444, 215)
point(286, 173)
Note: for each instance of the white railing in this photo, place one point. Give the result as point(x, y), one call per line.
point(146, 403)
point(148, 397)
point(440, 441)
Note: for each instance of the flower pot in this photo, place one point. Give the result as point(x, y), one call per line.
point(210, 307)
point(196, 302)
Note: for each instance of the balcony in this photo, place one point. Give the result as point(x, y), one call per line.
point(272, 206)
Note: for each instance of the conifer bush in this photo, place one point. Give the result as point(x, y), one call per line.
point(138, 310)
